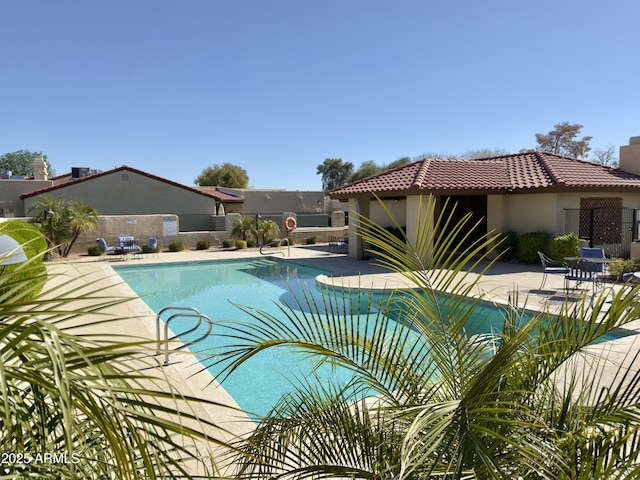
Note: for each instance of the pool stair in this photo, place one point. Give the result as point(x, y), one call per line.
point(182, 312)
point(275, 242)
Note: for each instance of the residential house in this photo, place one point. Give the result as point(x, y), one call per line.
point(523, 192)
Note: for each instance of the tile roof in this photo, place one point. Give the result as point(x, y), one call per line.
point(507, 173)
point(223, 197)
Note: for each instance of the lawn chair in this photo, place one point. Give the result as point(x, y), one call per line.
point(104, 248)
point(553, 267)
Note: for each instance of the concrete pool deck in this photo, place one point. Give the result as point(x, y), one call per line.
point(137, 320)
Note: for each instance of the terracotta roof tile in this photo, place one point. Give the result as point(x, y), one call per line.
point(521, 171)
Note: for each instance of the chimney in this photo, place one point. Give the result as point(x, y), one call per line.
point(630, 156)
point(40, 169)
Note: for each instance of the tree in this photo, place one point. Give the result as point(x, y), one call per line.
point(62, 222)
point(225, 175)
point(398, 163)
point(606, 157)
point(21, 162)
point(335, 173)
point(370, 168)
point(484, 153)
point(246, 228)
point(434, 395)
point(366, 169)
point(561, 141)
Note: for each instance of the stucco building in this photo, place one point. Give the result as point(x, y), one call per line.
point(523, 192)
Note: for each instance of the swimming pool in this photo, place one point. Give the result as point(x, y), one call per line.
point(216, 287)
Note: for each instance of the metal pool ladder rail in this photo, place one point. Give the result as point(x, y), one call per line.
point(183, 312)
point(279, 251)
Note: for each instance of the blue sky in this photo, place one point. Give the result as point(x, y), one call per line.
point(171, 87)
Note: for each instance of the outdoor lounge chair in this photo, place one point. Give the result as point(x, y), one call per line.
point(338, 245)
point(550, 266)
point(152, 246)
point(104, 248)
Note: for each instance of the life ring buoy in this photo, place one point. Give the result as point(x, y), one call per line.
point(290, 224)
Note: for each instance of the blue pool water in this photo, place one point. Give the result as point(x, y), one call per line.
point(213, 288)
point(216, 287)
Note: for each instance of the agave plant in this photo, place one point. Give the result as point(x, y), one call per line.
point(431, 395)
point(78, 405)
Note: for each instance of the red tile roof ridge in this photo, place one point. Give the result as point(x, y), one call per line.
point(422, 173)
point(549, 168)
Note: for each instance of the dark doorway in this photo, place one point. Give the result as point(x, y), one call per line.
point(464, 204)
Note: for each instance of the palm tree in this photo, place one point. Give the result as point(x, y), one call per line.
point(269, 229)
point(246, 228)
point(62, 222)
point(78, 406)
point(431, 395)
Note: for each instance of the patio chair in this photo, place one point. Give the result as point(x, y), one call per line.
point(152, 246)
point(104, 248)
point(585, 271)
point(128, 245)
point(338, 245)
point(553, 267)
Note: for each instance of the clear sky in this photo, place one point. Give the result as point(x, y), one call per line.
point(277, 86)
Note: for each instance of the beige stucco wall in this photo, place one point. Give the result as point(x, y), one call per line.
point(525, 213)
point(127, 192)
point(275, 201)
point(10, 191)
point(397, 208)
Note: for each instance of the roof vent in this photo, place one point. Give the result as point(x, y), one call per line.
point(80, 172)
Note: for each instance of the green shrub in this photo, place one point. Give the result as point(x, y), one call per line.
point(240, 244)
point(621, 266)
point(147, 249)
point(203, 245)
point(228, 243)
point(252, 243)
point(531, 243)
point(565, 246)
point(507, 245)
point(34, 275)
point(176, 246)
point(311, 240)
point(94, 251)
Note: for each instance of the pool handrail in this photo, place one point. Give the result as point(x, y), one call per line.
point(273, 243)
point(191, 313)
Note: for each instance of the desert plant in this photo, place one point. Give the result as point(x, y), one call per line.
point(176, 246)
point(432, 395)
point(563, 246)
point(240, 244)
point(203, 245)
point(94, 250)
point(311, 241)
point(622, 266)
point(228, 243)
